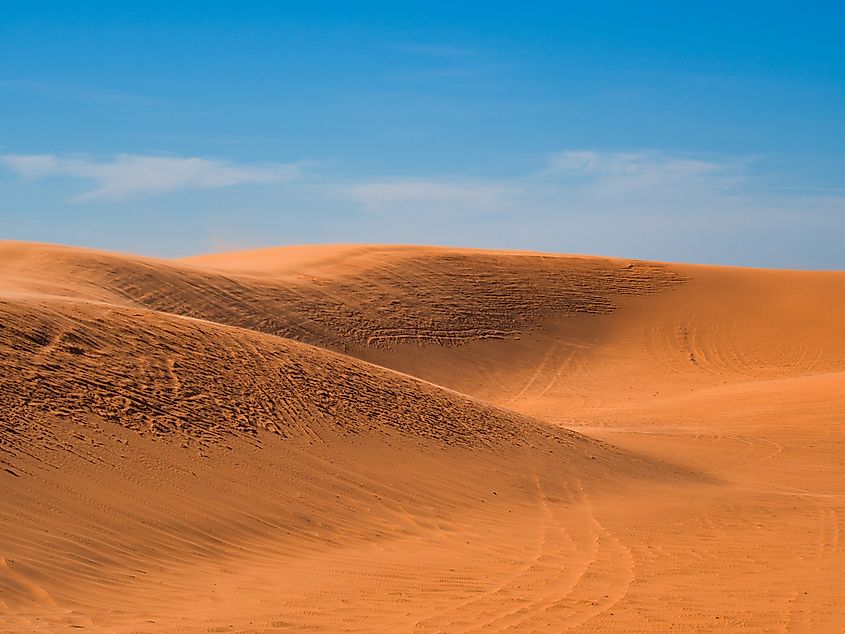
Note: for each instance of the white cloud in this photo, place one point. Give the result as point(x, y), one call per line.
point(78, 92)
point(421, 196)
point(647, 204)
point(130, 175)
point(31, 166)
point(631, 181)
point(435, 50)
point(631, 164)
point(569, 183)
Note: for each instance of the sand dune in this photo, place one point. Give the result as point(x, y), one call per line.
point(363, 438)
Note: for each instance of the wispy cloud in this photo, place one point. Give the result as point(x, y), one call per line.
point(601, 191)
point(648, 203)
point(78, 92)
point(131, 175)
point(427, 196)
point(569, 181)
point(433, 49)
point(426, 62)
point(633, 165)
point(647, 180)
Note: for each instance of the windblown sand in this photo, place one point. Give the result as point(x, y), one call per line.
point(398, 439)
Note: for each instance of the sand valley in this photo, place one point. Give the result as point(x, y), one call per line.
point(418, 439)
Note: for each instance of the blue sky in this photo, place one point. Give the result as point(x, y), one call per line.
point(713, 133)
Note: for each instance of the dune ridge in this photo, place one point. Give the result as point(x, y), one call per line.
point(388, 438)
point(350, 298)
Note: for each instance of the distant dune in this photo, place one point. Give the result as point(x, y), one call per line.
point(391, 438)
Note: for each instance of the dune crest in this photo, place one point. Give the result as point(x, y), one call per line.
point(377, 438)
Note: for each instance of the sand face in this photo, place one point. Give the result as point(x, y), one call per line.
point(359, 438)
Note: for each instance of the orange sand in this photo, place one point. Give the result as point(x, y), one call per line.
point(414, 439)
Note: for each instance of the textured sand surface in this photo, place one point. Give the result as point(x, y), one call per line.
point(413, 439)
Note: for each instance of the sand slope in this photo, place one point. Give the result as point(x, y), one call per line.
point(361, 438)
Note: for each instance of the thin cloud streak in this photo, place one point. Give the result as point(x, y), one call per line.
point(570, 181)
point(640, 204)
point(76, 92)
point(423, 196)
point(632, 164)
point(648, 180)
point(608, 197)
point(435, 50)
point(647, 204)
point(132, 175)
